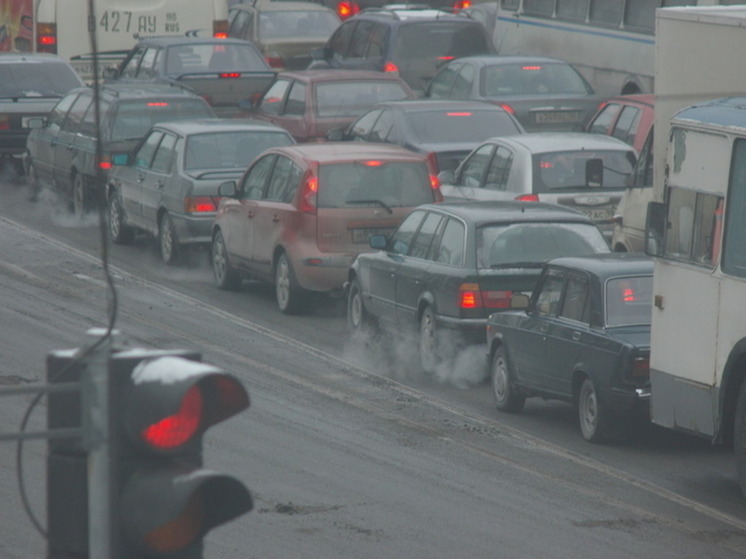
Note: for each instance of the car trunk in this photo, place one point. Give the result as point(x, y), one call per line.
point(224, 90)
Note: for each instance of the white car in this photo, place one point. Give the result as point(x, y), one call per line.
point(587, 172)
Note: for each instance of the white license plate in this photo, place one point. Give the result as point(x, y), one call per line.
point(599, 214)
point(563, 117)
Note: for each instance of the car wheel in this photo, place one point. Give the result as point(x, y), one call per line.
point(32, 183)
point(591, 413)
point(358, 317)
point(168, 244)
point(80, 195)
point(429, 354)
point(287, 290)
point(739, 438)
point(507, 397)
point(119, 231)
point(226, 276)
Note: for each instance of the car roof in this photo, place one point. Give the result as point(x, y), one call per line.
point(541, 142)
point(137, 90)
point(481, 212)
point(333, 152)
point(181, 40)
point(198, 126)
point(283, 6)
point(604, 266)
point(411, 16)
point(426, 105)
point(498, 59)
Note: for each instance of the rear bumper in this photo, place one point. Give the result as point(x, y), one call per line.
point(326, 272)
point(191, 230)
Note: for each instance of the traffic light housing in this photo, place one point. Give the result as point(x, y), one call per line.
point(163, 500)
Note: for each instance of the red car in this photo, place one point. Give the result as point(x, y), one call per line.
point(627, 117)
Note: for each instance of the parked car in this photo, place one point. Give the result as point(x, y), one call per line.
point(630, 118)
point(285, 32)
point(544, 94)
point(449, 130)
point(222, 70)
point(449, 265)
point(61, 149)
point(30, 86)
point(584, 338)
point(587, 172)
point(412, 43)
point(310, 103)
point(168, 186)
point(300, 214)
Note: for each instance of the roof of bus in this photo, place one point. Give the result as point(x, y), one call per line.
point(729, 111)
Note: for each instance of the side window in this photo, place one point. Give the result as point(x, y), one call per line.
point(252, 186)
point(574, 10)
point(164, 156)
point(88, 125)
point(602, 122)
point(606, 12)
point(627, 125)
point(463, 83)
point(550, 295)
point(576, 305)
point(377, 43)
point(644, 169)
point(539, 7)
point(359, 40)
point(362, 127)
point(475, 166)
point(340, 41)
point(239, 26)
point(403, 237)
point(452, 243)
point(284, 181)
point(147, 66)
point(296, 103)
point(692, 224)
point(383, 127)
point(129, 70)
point(424, 239)
point(440, 86)
point(499, 169)
point(272, 100)
point(734, 243)
point(76, 113)
point(144, 155)
point(58, 114)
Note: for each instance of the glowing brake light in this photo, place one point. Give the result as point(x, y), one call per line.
point(200, 204)
point(157, 104)
point(46, 37)
point(446, 57)
point(470, 297)
point(373, 163)
point(528, 197)
point(507, 108)
point(545, 165)
point(390, 67)
point(309, 194)
point(230, 75)
point(530, 67)
point(220, 28)
point(347, 9)
point(461, 5)
point(4, 122)
point(458, 114)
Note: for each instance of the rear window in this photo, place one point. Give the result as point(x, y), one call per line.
point(444, 40)
point(132, 119)
point(629, 301)
point(296, 24)
point(353, 98)
point(532, 79)
point(32, 79)
point(221, 150)
point(567, 169)
point(501, 245)
point(214, 58)
point(374, 183)
point(461, 126)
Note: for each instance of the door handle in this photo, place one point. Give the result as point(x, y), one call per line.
point(250, 214)
point(140, 178)
point(275, 218)
point(160, 183)
point(576, 336)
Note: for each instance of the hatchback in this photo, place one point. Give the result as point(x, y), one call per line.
point(300, 214)
point(544, 94)
point(412, 43)
point(587, 172)
point(449, 265)
point(61, 149)
point(627, 117)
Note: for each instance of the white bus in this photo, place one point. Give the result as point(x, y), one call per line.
point(62, 26)
point(611, 42)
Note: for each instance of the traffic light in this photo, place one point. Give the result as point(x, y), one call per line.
point(163, 501)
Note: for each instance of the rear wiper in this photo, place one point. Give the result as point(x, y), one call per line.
point(379, 202)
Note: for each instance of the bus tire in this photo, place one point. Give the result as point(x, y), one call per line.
point(739, 438)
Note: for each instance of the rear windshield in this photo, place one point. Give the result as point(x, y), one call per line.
point(629, 301)
point(532, 79)
point(444, 40)
point(132, 119)
point(223, 150)
point(500, 245)
point(567, 170)
point(461, 126)
point(374, 183)
point(297, 24)
point(31, 79)
point(214, 58)
point(353, 98)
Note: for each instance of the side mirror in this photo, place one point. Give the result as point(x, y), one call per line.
point(378, 241)
point(594, 172)
point(121, 159)
point(447, 177)
point(519, 301)
point(655, 228)
point(228, 189)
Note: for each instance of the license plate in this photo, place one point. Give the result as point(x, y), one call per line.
point(360, 236)
point(559, 117)
point(599, 214)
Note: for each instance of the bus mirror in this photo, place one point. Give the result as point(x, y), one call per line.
point(655, 228)
point(594, 172)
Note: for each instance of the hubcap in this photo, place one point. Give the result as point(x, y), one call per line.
point(282, 283)
point(500, 380)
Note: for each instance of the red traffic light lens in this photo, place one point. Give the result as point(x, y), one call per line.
point(179, 428)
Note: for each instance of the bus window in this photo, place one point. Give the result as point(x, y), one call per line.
point(606, 12)
point(692, 218)
point(573, 10)
point(539, 7)
point(734, 243)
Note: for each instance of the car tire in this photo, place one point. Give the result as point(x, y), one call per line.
point(168, 242)
point(119, 231)
point(739, 438)
point(359, 320)
point(287, 291)
point(592, 415)
point(80, 203)
point(429, 354)
point(226, 276)
point(32, 183)
point(508, 397)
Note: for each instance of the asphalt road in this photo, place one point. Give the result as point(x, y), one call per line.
point(347, 452)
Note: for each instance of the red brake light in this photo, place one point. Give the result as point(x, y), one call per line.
point(530, 67)
point(373, 163)
point(105, 165)
point(507, 108)
point(230, 75)
point(470, 297)
point(157, 104)
point(641, 367)
point(461, 5)
point(46, 37)
point(200, 204)
point(528, 197)
point(310, 192)
point(458, 114)
point(275, 60)
point(4, 122)
point(446, 57)
point(390, 67)
point(177, 429)
point(347, 9)
point(220, 28)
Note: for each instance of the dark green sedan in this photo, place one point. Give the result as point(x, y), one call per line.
point(583, 337)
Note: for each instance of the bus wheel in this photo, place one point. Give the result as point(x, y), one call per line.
point(739, 442)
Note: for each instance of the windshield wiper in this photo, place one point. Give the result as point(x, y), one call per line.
point(378, 202)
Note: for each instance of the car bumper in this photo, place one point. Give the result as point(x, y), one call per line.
point(326, 272)
point(626, 401)
point(192, 230)
point(472, 330)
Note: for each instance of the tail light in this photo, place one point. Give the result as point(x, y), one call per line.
point(310, 192)
point(641, 367)
point(346, 9)
point(46, 37)
point(432, 162)
point(528, 197)
point(220, 28)
point(461, 5)
point(507, 108)
point(390, 67)
point(229, 75)
point(472, 297)
point(200, 204)
point(274, 59)
point(4, 122)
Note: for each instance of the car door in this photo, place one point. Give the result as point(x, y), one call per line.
point(161, 188)
point(43, 141)
point(133, 179)
point(70, 144)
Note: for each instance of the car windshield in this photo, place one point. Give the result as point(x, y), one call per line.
point(444, 40)
point(629, 301)
point(532, 79)
point(461, 126)
point(374, 183)
point(134, 118)
point(504, 244)
point(186, 59)
point(297, 24)
point(30, 79)
point(353, 98)
point(224, 150)
point(567, 169)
